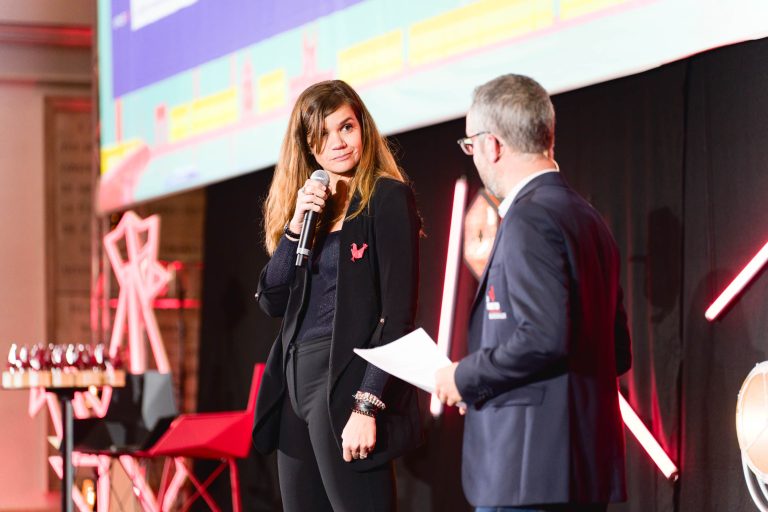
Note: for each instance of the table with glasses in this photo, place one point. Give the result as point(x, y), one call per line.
point(63, 370)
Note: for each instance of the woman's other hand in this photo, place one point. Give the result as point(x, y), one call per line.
point(311, 196)
point(359, 436)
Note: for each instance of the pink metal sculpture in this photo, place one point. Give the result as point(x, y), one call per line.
point(141, 278)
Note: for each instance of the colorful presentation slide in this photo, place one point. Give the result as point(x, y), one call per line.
point(193, 92)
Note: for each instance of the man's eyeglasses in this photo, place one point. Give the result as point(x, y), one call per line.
point(467, 144)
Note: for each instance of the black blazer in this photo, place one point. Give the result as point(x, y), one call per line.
point(375, 303)
point(548, 336)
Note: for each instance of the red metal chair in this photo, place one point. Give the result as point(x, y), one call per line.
point(215, 435)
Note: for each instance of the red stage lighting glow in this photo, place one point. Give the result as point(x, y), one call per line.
point(738, 284)
point(445, 328)
point(647, 441)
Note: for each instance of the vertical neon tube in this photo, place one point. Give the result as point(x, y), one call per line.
point(452, 260)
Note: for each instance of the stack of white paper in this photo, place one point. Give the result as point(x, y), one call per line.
point(414, 358)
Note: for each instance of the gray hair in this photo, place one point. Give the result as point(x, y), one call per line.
point(517, 109)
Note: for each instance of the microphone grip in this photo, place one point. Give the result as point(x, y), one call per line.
point(304, 249)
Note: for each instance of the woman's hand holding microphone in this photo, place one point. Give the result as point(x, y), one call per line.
point(311, 197)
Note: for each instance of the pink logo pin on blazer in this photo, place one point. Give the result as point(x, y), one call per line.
point(358, 253)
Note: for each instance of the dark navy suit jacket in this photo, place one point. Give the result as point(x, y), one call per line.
point(547, 338)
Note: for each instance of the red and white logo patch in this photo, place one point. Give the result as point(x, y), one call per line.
point(492, 306)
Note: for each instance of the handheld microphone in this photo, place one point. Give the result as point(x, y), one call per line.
point(306, 238)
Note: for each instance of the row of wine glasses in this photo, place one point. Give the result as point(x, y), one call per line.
point(67, 357)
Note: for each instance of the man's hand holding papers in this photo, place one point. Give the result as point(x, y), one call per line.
point(445, 387)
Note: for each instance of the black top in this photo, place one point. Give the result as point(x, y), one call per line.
point(317, 322)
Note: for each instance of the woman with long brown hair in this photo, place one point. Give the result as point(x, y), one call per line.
point(336, 421)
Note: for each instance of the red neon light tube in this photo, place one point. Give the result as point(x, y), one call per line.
point(452, 260)
point(647, 441)
point(738, 284)
point(167, 303)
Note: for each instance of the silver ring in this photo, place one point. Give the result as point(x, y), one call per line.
point(363, 456)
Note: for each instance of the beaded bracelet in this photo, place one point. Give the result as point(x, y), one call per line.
point(371, 399)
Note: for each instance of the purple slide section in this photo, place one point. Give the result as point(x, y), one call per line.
point(197, 34)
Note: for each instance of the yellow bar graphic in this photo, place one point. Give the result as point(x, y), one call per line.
point(111, 155)
point(476, 25)
point(203, 115)
point(575, 8)
point(273, 90)
point(372, 59)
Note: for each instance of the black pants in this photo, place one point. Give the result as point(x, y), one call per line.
point(313, 475)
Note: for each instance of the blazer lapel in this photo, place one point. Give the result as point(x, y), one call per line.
point(350, 231)
point(483, 278)
point(552, 178)
point(295, 305)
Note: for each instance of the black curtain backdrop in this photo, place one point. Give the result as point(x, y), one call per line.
point(726, 186)
point(674, 160)
point(621, 145)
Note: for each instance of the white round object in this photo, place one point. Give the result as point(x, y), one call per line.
point(752, 420)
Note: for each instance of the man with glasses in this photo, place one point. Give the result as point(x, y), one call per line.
point(548, 332)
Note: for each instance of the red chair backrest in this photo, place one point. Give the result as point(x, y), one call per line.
point(258, 373)
point(212, 434)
